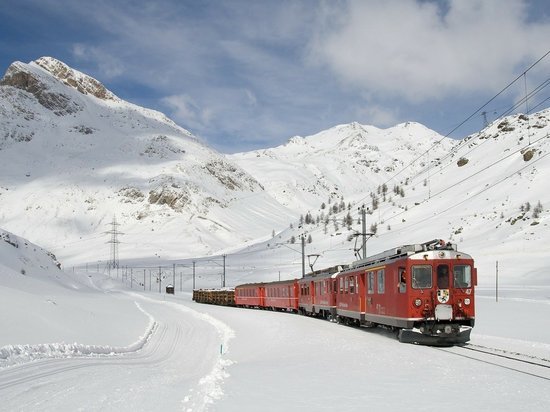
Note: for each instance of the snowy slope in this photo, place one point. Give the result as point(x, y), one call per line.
point(487, 192)
point(73, 156)
point(41, 304)
point(346, 160)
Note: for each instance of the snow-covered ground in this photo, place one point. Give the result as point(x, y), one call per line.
point(124, 349)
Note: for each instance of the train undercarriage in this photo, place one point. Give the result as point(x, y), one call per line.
point(438, 334)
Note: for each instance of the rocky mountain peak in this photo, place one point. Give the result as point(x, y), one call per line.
point(75, 79)
point(25, 77)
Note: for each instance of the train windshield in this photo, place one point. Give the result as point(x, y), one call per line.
point(443, 276)
point(421, 276)
point(462, 276)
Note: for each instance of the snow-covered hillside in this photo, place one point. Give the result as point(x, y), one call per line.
point(345, 161)
point(487, 192)
point(73, 156)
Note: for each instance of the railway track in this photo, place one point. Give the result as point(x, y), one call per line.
point(535, 366)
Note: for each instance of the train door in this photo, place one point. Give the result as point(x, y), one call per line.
point(398, 276)
point(362, 291)
point(370, 291)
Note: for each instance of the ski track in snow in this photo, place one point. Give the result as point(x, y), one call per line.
point(17, 354)
point(209, 388)
point(30, 364)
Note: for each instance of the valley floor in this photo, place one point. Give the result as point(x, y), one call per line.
point(194, 357)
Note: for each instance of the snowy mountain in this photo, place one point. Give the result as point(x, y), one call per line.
point(73, 156)
point(487, 192)
point(345, 161)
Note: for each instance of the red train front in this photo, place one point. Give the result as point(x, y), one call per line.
point(426, 291)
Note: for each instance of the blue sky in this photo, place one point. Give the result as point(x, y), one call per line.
point(244, 75)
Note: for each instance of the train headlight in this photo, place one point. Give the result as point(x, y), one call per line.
point(467, 301)
point(417, 302)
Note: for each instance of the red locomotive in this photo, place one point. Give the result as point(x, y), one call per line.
point(425, 291)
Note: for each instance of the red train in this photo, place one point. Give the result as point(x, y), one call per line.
point(425, 291)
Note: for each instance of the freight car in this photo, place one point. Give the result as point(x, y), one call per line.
point(424, 291)
point(223, 297)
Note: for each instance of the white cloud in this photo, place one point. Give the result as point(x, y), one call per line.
point(108, 65)
point(378, 115)
point(419, 52)
point(188, 112)
point(259, 72)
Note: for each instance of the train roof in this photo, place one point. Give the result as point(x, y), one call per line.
point(431, 249)
point(326, 272)
point(277, 282)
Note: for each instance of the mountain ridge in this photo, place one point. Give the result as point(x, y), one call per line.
point(70, 157)
point(65, 175)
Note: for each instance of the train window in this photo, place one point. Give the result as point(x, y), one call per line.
point(341, 285)
point(462, 276)
point(346, 284)
point(443, 276)
point(370, 282)
point(352, 284)
point(381, 281)
point(401, 280)
point(421, 276)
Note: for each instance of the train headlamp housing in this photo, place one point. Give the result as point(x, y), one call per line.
point(417, 302)
point(467, 301)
